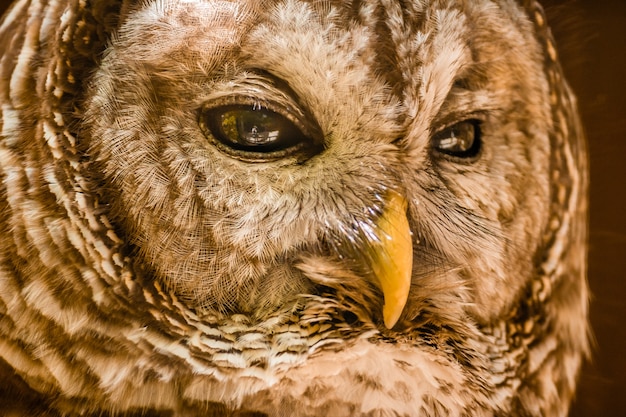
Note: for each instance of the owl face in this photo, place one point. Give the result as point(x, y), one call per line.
point(245, 143)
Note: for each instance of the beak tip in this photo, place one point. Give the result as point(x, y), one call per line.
point(392, 313)
point(390, 321)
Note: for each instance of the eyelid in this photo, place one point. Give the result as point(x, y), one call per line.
point(288, 113)
point(462, 104)
point(453, 119)
point(256, 85)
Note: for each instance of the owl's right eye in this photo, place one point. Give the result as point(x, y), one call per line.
point(252, 131)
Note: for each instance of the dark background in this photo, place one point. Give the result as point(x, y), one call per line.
point(591, 35)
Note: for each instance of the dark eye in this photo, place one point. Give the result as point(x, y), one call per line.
point(252, 131)
point(461, 140)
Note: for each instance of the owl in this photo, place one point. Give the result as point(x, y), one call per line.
point(288, 208)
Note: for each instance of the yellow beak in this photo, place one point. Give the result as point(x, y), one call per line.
point(390, 255)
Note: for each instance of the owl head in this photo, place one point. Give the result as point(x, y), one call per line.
point(249, 150)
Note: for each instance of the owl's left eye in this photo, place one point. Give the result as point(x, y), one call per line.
point(252, 131)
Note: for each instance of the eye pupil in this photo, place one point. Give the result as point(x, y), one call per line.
point(460, 140)
point(250, 127)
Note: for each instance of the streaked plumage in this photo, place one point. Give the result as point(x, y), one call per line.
point(288, 208)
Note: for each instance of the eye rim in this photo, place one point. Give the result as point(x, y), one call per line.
point(305, 146)
point(466, 156)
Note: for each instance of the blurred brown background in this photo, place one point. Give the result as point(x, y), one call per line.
point(592, 41)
